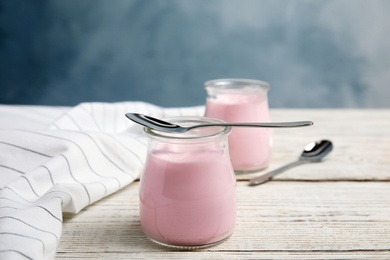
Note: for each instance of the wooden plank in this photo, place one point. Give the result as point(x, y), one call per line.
point(361, 141)
point(275, 220)
point(354, 255)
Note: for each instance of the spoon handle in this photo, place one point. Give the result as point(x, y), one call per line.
point(267, 176)
point(271, 124)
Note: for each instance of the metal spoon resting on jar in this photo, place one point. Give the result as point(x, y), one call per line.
point(161, 125)
point(313, 152)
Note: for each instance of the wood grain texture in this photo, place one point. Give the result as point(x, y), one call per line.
point(338, 209)
point(339, 219)
point(361, 141)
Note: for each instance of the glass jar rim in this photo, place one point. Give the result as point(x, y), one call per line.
point(196, 134)
point(237, 83)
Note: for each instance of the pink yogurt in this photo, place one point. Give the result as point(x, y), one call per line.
point(249, 148)
point(188, 197)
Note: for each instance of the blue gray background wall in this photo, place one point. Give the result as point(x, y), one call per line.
point(330, 53)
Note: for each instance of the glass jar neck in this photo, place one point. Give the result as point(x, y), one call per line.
point(236, 86)
point(193, 136)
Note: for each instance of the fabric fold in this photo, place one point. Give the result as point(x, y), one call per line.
point(91, 151)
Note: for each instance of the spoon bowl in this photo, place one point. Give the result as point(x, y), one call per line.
point(316, 151)
point(164, 126)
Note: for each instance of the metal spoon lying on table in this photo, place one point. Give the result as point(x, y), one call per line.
point(160, 125)
point(313, 152)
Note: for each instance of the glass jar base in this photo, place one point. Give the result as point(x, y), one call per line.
point(238, 172)
point(189, 248)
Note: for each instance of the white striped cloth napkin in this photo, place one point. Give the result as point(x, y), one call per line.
point(60, 160)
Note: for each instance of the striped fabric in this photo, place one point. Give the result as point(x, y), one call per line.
point(56, 160)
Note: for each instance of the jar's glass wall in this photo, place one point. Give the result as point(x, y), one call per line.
point(188, 189)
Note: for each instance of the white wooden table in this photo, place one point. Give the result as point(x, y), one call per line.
point(339, 208)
